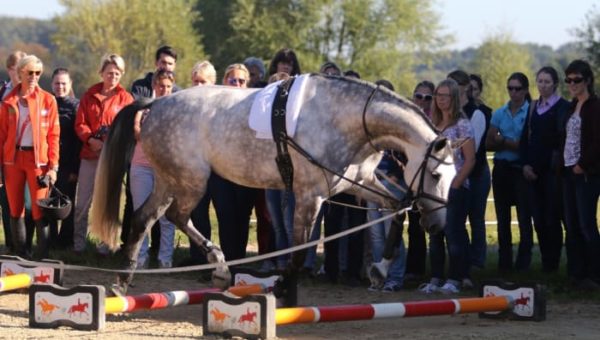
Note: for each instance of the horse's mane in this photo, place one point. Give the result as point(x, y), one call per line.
point(403, 100)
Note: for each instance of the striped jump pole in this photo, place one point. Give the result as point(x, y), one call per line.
point(16, 281)
point(152, 301)
point(286, 316)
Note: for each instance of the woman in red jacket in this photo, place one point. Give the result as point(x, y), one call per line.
point(97, 110)
point(29, 141)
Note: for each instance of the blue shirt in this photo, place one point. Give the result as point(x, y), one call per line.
point(511, 127)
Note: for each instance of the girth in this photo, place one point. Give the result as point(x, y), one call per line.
point(280, 136)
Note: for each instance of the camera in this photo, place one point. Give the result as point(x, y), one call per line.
point(101, 132)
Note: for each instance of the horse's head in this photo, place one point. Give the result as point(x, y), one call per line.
point(430, 182)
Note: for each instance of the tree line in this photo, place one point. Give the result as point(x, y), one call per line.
point(399, 40)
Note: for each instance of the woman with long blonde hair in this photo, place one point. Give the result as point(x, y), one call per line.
point(448, 117)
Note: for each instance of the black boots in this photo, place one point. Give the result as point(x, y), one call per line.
point(17, 229)
point(42, 230)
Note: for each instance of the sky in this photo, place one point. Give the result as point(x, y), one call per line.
point(546, 22)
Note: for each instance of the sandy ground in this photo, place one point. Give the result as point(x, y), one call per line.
point(564, 320)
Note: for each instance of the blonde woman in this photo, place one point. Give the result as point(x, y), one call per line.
point(29, 141)
point(448, 117)
point(204, 73)
point(97, 110)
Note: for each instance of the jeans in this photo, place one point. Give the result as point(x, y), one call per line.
point(509, 184)
point(583, 240)
point(546, 209)
point(378, 233)
point(280, 204)
point(142, 184)
point(282, 219)
point(457, 240)
point(479, 191)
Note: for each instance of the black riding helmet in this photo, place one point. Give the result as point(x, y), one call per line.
point(57, 206)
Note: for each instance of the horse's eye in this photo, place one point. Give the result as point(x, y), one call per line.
point(436, 175)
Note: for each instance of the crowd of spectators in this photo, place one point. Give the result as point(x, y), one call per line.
point(546, 163)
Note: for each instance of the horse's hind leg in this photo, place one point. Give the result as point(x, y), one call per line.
point(180, 215)
point(143, 219)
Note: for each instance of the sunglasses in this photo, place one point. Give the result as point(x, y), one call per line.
point(514, 88)
point(235, 81)
point(575, 80)
point(37, 73)
point(421, 96)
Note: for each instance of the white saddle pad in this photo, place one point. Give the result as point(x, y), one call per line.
point(260, 114)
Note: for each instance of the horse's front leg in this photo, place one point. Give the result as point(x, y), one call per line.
point(221, 276)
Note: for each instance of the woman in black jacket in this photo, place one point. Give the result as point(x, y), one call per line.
point(70, 146)
point(540, 153)
point(581, 180)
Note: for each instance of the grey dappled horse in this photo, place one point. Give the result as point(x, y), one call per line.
point(190, 133)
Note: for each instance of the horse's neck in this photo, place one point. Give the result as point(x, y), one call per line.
point(399, 127)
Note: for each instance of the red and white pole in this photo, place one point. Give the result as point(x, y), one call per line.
point(284, 316)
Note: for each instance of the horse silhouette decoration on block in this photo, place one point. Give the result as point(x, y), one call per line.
point(343, 125)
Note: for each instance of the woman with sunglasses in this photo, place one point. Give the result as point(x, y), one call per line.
point(416, 255)
point(540, 154)
point(233, 203)
point(581, 177)
point(97, 110)
point(503, 137)
point(423, 96)
point(29, 138)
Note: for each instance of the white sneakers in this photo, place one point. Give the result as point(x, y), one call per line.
point(428, 288)
point(450, 287)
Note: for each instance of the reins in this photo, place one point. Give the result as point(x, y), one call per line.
point(409, 198)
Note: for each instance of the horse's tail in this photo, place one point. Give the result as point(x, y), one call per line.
point(115, 157)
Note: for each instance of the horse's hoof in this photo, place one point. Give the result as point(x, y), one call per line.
point(118, 290)
point(377, 274)
point(221, 278)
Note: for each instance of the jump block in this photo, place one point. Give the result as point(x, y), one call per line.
point(40, 274)
point(81, 307)
point(529, 300)
point(86, 307)
point(251, 317)
point(285, 290)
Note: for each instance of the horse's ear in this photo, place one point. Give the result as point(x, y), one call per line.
point(440, 144)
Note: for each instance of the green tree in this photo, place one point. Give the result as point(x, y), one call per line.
point(495, 60)
point(134, 29)
point(589, 38)
point(377, 38)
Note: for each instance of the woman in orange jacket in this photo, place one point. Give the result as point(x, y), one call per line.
point(29, 141)
point(97, 110)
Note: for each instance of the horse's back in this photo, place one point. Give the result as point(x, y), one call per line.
point(204, 129)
